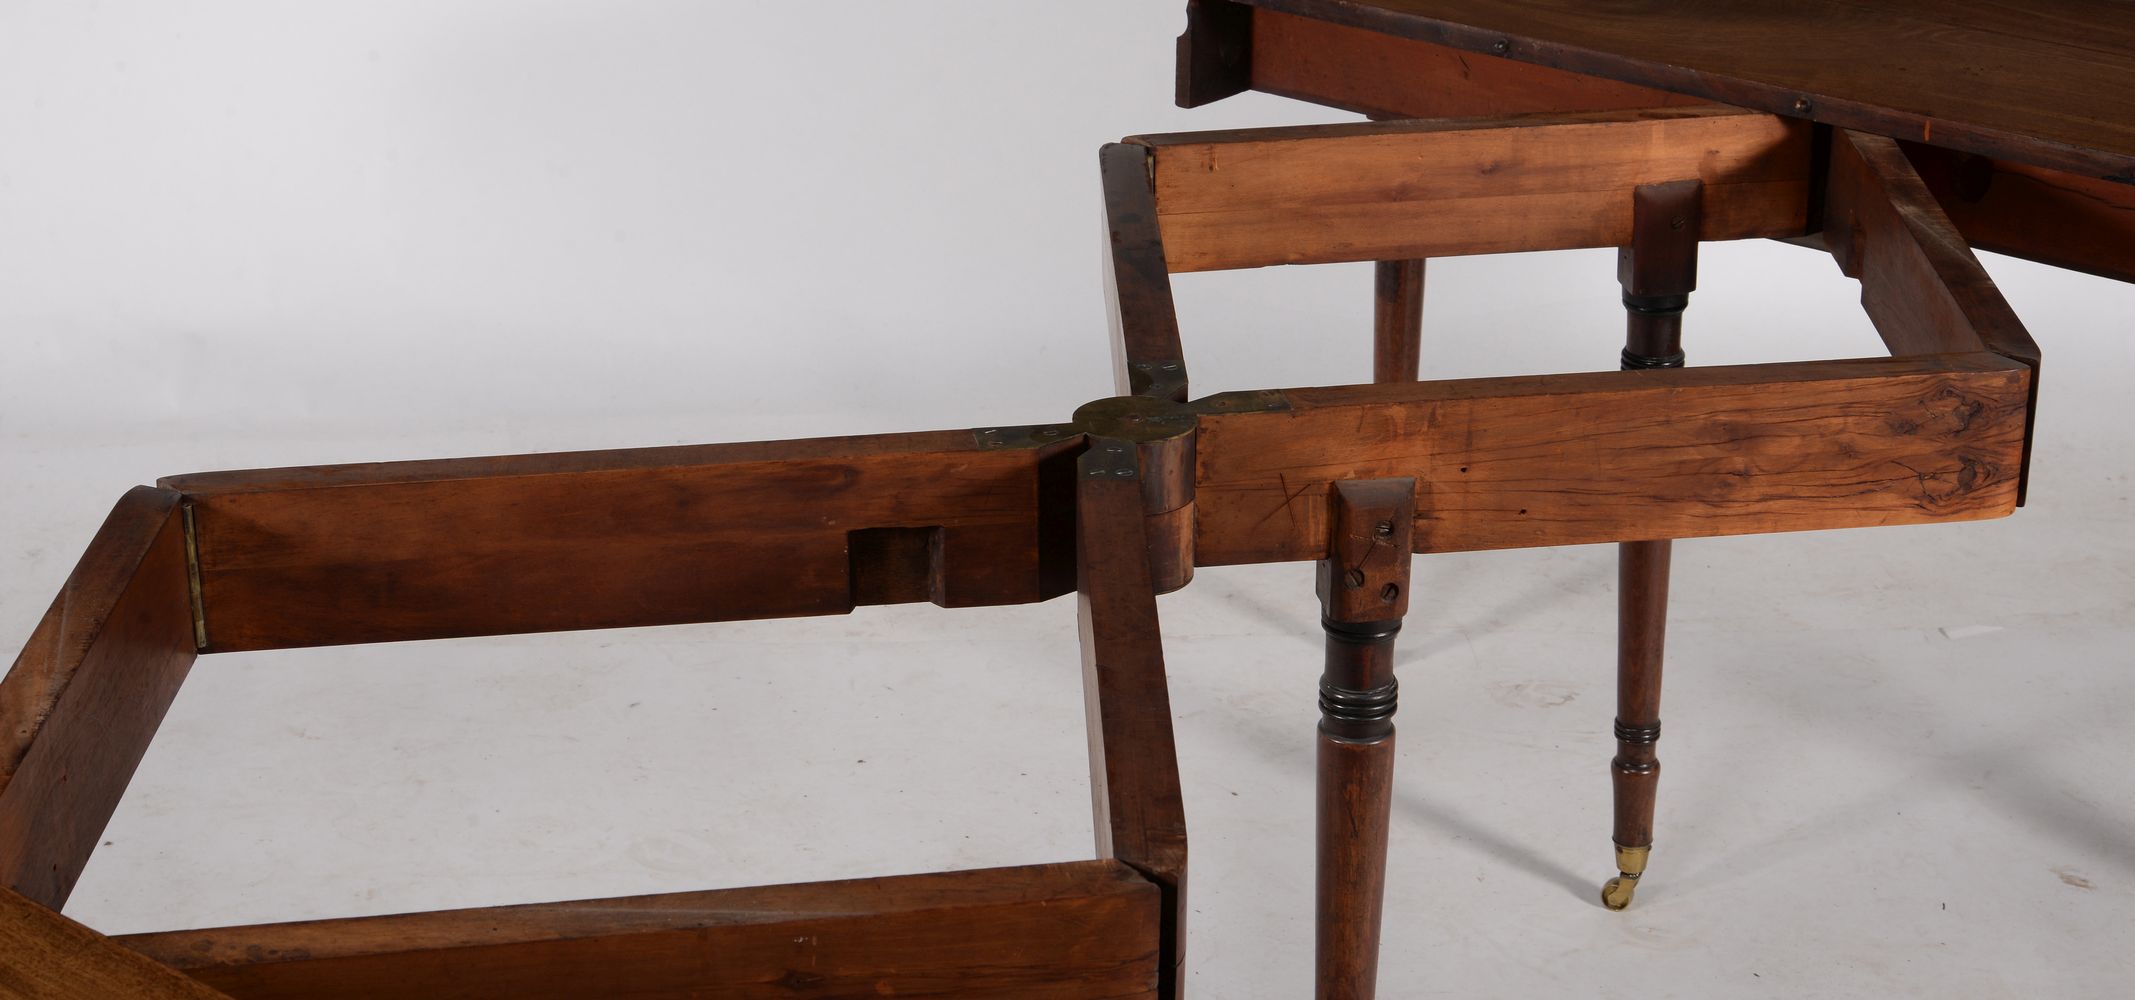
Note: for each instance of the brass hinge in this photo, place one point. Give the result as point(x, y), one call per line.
point(192, 578)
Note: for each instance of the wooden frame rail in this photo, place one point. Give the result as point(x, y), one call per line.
point(1118, 504)
point(1062, 932)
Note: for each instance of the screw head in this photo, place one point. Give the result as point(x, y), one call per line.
point(1123, 473)
point(1385, 529)
point(1389, 592)
point(1501, 46)
point(1353, 579)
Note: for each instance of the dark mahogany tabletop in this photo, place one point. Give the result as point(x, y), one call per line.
point(2047, 82)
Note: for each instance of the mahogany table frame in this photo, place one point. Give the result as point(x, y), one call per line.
point(1118, 504)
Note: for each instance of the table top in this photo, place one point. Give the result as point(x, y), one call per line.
point(2047, 82)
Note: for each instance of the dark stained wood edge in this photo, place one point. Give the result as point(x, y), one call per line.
point(431, 470)
point(1920, 283)
point(1385, 76)
point(2062, 219)
point(1072, 930)
point(1711, 86)
point(1425, 126)
point(45, 956)
point(533, 543)
point(1215, 52)
point(1147, 357)
point(1397, 320)
point(1134, 773)
point(1622, 456)
point(79, 707)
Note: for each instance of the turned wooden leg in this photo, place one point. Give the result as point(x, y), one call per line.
point(1363, 587)
point(1642, 621)
point(1397, 322)
point(1658, 271)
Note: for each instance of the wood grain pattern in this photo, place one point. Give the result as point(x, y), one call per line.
point(1134, 774)
point(1623, 456)
point(2058, 218)
point(1388, 76)
point(1079, 930)
point(1920, 283)
point(1146, 356)
point(1400, 190)
point(83, 700)
point(535, 543)
point(45, 956)
point(2047, 82)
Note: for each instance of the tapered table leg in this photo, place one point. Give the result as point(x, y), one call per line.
point(1363, 588)
point(1658, 271)
point(1397, 322)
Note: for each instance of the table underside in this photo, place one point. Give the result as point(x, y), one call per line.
point(1116, 504)
point(2020, 117)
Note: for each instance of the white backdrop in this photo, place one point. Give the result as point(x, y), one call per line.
point(245, 234)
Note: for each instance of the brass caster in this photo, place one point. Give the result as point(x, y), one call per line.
point(1631, 863)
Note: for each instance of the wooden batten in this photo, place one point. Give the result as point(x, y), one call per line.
point(1441, 188)
point(1047, 932)
point(1920, 282)
point(1623, 456)
point(539, 543)
point(83, 700)
point(1147, 357)
point(1134, 771)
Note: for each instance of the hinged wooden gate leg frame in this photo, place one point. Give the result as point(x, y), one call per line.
point(1119, 503)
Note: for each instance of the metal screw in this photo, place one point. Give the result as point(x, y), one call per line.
point(1802, 105)
point(1049, 432)
point(1391, 591)
point(1384, 528)
point(1501, 46)
point(1678, 222)
point(1354, 578)
point(1171, 367)
point(1123, 473)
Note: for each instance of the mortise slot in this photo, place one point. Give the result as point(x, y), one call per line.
point(893, 565)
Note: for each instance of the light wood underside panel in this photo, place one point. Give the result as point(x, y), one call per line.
point(1441, 188)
